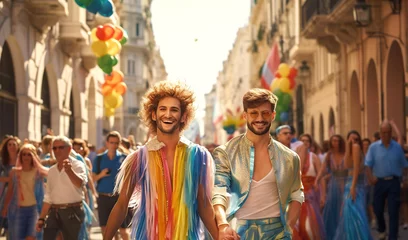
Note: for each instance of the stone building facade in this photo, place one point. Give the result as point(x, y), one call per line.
point(350, 75)
point(141, 64)
point(48, 74)
point(232, 83)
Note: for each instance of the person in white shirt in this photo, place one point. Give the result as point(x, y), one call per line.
point(62, 209)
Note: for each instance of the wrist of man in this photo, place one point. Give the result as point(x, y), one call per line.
point(223, 226)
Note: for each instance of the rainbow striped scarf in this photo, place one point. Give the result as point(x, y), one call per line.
point(166, 207)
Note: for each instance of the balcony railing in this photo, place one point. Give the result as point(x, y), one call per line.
point(313, 8)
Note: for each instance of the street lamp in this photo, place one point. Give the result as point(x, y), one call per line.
point(362, 13)
point(395, 6)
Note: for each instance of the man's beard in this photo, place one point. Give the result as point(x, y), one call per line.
point(168, 131)
point(263, 132)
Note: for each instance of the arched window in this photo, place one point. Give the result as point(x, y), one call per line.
point(71, 131)
point(8, 100)
point(46, 106)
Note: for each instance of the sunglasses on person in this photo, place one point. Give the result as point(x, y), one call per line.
point(58, 147)
point(264, 114)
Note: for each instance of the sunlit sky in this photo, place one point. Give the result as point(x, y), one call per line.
point(194, 37)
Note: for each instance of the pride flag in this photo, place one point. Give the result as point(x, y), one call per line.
point(270, 66)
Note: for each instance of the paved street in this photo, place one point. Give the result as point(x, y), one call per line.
point(96, 234)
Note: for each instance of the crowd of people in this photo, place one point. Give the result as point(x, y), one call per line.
point(263, 184)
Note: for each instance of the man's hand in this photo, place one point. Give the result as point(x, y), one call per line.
point(225, 232)
point(40, 225)
point(373, 180)
point(353, 193)
point(322, 201)
point(104, 173)
point(67, 165)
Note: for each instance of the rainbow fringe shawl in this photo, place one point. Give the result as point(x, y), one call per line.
point(193, 166)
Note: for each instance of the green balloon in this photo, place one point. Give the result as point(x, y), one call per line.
point(286, 99)
point(114, 61)
point(105, 60)
point(279, 94)
point(277, 116)
point(123, 40)
point(107, 69)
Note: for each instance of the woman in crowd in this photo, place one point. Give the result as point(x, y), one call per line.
point(81, 148)
point(310, 224)
point(353, 222)
point(25, 194)
point(369, 189)
point(337, 175)
point(9, 149)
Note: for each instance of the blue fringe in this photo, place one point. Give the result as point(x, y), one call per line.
point(139, 227)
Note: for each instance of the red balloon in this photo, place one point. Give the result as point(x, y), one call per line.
point(292, 83)
point(105, 32)
point(292, 73)
point(118, 33)
point(277, 74)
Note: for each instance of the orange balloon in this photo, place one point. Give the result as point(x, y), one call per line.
point(114, 78)
point(121, 88)
point(118, 33)
point(106, 89)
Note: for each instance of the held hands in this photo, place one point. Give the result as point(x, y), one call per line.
point(39, 225)
point(225, 232)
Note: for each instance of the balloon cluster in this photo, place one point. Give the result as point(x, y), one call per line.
point(107, 41)
point(233, 121)
point(112, 89)
point(282, 86)
point(103, 7)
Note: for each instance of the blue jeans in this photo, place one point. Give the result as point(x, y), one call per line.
point(26, 218)
point(261, 229)
point(387, 189)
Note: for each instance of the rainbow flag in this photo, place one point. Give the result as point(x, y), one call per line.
point(270, 66)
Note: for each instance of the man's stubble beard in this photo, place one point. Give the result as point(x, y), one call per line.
point(252, 129)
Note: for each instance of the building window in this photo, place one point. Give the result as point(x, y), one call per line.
point(131, 67)
point(137, 29)
point(8, 100)
point(45, 107)
point(71, 130)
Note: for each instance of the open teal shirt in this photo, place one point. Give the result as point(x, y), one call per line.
point(234, 163)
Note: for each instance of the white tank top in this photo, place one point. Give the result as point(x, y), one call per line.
point(311, 171)
point(263, 199)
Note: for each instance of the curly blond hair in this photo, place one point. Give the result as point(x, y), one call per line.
point(164, 89)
